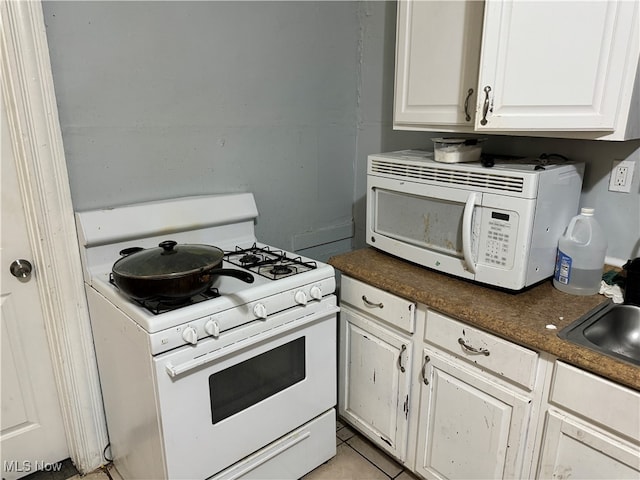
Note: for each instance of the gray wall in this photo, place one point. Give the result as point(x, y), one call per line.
point(163, 99)
point(285, 100)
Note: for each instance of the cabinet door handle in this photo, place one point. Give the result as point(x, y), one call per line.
point(469, 348)
point(370, 303)
point(485, 108)
point(424, 369)
point(402, 350)
point(466, 105)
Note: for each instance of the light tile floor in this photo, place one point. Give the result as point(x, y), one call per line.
point(356, 459)
point(105, 473)
point(69, 472)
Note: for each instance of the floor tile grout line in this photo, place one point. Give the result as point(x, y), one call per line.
point(400, 473)
point(357, 434)
point(355, 450)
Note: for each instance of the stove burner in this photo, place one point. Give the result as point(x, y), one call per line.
point(249, 258)
point(281, 270)
point(158, 306)
point(268, 262)
point(168, 303)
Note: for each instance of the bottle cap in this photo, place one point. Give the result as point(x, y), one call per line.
point(587, 211)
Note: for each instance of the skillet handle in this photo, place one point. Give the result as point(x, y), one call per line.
point(130, 251)
point(232, 272)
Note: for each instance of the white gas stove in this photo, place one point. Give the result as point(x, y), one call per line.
point(245, 370)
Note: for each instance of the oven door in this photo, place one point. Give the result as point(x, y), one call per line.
point(225, 398)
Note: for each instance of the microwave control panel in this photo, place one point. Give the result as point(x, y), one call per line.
point(497, 239)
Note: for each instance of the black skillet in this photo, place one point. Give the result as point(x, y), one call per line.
point(171, 272)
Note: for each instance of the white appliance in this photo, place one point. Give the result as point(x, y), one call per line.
point(240, 382)
point(496, 225)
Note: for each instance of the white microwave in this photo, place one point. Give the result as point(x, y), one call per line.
point(496, 225)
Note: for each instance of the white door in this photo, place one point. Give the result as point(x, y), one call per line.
point(438, 53)
point(469, 426)
point(376, 370)
point(32, 434)
point(558, 65)
point(572, 448)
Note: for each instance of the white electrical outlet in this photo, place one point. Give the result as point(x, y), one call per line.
point(621, 176)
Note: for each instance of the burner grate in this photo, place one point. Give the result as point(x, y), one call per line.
point(267, 262)
point(159, 306)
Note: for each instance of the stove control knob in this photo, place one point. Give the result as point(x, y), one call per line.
point(212, 328)
point(190, 335)
point(316, 292)
point(259, 310)
point(300, 297)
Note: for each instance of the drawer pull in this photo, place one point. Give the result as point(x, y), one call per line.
point(402, 350)
point(469, 348)
point(424, 369)
point(370, 303)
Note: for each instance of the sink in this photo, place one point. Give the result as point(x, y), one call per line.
point(612, 329)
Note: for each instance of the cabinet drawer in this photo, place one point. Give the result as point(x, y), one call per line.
point(379, 304)
point(489, 352)
point(597, 399)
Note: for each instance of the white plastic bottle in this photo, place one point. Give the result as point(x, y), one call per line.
point(580, 258)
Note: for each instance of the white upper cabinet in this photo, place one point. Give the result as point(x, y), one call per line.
point(438, 50)
point(547, 68)
point(557, 65)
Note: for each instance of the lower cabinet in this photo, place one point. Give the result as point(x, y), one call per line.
point(376, 369)
point(575, 449)
point(591, 428)
point(470, 427)
point(375, 364)
point(476, 398)
point(451, 401)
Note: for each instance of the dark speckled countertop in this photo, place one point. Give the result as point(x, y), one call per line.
point(520, 317)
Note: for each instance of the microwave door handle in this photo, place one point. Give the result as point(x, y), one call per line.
point(467, 228)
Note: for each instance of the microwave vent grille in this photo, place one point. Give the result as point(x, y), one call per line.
point(491, 181)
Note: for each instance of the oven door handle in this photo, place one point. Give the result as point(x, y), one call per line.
point(467, 231)
point(176, 370)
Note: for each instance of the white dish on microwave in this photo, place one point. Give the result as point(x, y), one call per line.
point(457, 150)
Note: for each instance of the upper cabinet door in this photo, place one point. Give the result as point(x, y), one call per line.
point(437, 57)
point(557, 65)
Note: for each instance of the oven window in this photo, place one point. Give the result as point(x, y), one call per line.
point(247, 383)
